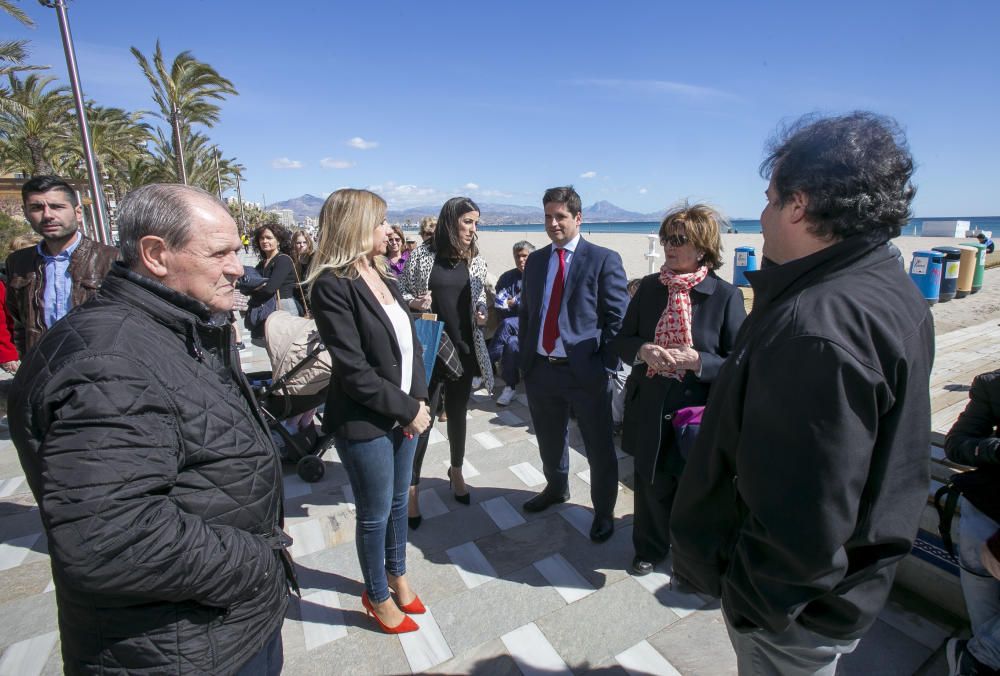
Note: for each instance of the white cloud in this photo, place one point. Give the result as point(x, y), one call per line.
point(679, 89)
point(642, 191)
point(331, 163)
point(285, 163)
point(401, 196)
point(361, 144)
point(471, 186)
point(589, 174)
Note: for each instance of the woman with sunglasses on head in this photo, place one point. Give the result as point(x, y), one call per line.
point(376, 403)
point(447, 276)
point(679, 327)
point(395, 251)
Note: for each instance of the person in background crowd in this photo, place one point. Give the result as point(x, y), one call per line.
point(983, 239)
point(302, 253)
point(246, 242)
point(566, 354)
point(61, 272)
point(376, 404)
point(447, 276)
point(504, 346)
point(810, 472)
point(679, 328)
point(10, 360)
point(411, 243)
point(395, 252)
point(158, 486)
point(973, 441)
point(427, 226)
point(273, 245)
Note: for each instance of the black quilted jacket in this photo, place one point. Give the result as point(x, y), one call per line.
point(158, 485)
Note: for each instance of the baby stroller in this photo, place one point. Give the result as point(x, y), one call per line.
point(300, 374)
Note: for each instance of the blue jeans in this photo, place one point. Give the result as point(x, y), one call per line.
point(982, 594)
point(379, 470)
point(268, 661)
point(504, 349)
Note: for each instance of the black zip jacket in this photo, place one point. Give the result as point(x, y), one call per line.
point(158, 485)
point(808, 479)
point(972, 441)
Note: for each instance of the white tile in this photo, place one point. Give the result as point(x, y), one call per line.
point(680, 603)
point(468, 470)
point(50, 587)
point(10, 486)
point(533, 440)
point(435, 437)
point(509, 418)
point(472, 566)
point(322, 618)
point(349, 496)
point(919, 629)
point(503, 515)
point(28, 657)
point(430, 504)
point(13, 552)
point(579, 517)
point(585, 478)
point(643, 658)
point(487, 440)
point(564, 578)
point(533, 653)
point(426, 648)
point(527, 473)
point(295, 487)
point(308, 538)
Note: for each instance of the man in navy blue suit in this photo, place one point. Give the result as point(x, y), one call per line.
point(573, 299)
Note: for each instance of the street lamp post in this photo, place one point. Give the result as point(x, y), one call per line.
point(218, 176)
point(239, 198)
point(96, 191)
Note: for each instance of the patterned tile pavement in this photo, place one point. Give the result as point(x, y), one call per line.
point(508, 592)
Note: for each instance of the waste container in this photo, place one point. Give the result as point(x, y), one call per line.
point(966, 270)
point(744, 260)
point(925, 271)
point(977, 277)
point(949, 271)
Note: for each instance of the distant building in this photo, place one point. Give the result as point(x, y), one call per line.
point(311, 223)
point(285, 216)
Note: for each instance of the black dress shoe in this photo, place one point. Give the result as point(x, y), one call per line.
point(602, 529)
point(414, 521)
point(641, 567)
point(544, 500)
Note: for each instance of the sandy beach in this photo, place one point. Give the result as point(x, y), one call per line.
point(984, 306)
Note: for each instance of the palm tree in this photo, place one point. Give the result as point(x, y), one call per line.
point(184, 96)
point(38, 121)
point(13, 10)
point(118, 137)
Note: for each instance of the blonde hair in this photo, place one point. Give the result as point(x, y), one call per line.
point(702, 225)
point(346, 223)
point(24, 241)
point(427, 226)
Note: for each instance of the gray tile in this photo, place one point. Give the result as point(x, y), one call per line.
point(605, 623)
point(361, 653)
point(698, 645)
point(642, 658)
point(472, 566)
point(26, 618)
point(518, 547)
point(886, 652)
point(487, 659)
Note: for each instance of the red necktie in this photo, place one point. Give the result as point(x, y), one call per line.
point(550, 331)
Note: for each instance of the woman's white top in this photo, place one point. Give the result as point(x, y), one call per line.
point(400, 320)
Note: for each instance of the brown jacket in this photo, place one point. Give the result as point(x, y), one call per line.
point(26, 286)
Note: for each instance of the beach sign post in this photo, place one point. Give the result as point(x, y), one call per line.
point(652, 254)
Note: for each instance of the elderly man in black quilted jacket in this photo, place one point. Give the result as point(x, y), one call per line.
point(157, 481)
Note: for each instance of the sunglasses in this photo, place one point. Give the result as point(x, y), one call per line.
point(674, 240)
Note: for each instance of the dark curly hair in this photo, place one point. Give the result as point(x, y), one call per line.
point(853, 169)
point(280, 233)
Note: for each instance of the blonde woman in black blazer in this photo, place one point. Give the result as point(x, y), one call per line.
point(376, 404)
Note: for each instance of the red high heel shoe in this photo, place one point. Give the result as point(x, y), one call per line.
point(403, 627)
point(414, 607)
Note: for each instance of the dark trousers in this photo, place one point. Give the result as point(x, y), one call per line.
point(651, 525)
point(552, 390)
point(268, 661)
point(504, 349)
point(435, 389)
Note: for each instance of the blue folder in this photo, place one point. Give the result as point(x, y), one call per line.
point(429, 335)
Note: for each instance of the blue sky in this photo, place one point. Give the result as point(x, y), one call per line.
point(638, 103)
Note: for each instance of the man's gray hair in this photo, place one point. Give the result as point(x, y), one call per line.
point(524, 245)
point(161, 210)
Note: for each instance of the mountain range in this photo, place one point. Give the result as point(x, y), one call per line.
point(492, 214)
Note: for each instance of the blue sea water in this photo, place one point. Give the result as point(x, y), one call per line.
point(989, 223)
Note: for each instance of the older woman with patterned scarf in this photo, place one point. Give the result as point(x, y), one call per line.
point(678, 329)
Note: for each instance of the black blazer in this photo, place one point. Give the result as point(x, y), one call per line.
point(364, 400)
point(716, 315)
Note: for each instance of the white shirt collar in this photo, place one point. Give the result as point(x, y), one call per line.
point(570, 245)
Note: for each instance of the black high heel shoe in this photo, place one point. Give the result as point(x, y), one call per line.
point(414, 521)
point(463, 499)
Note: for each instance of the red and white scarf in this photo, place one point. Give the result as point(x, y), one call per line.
point(674, 327)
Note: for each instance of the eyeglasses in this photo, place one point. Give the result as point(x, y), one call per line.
point(674, 240)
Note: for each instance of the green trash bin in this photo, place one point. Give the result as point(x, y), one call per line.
point(977, 277)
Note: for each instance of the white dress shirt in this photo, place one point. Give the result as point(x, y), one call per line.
point(550, 277)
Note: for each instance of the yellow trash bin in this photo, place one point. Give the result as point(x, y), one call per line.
point(966, 270)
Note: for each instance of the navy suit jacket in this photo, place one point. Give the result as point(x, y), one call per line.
point(593, 305)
